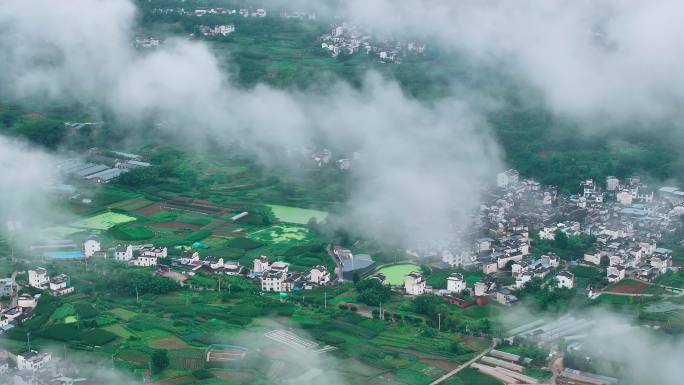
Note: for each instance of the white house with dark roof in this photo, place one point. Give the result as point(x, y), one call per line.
point(414, 284)
point(319, 275)
point(123, 253)
point(565, 279)
point(38, 278)
point(60, 285)
point(456, 283)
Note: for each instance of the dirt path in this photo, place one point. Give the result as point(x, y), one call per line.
point(455, 371)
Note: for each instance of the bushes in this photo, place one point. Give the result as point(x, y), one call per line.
point(127, 282)
point(127, 232)
point(244, 243)
point(97, 337)
point(85, 310)
point(60, 332)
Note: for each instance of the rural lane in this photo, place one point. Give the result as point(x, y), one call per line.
point(453, 372)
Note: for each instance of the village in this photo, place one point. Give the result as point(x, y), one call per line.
point(622, 221)
point(348, 39)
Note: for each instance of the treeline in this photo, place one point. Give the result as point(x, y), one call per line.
point(130, 282)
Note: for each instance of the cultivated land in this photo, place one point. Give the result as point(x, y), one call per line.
point(112, 320)
point(297, 215)
point(395, 273)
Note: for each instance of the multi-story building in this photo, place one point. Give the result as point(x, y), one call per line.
point(38, 278)
point(414, 284)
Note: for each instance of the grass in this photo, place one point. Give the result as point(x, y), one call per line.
point(297, 215)
point(132, 204)
point(103, 221)
point(282, 234)
point(119, 330)
point(470, 376)
point(395, 274)
point(122, 313)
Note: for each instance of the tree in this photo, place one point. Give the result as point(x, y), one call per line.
point(356, 277)
point(560, 240)
point(455, 348)
point(372, 292)
point(159, 360)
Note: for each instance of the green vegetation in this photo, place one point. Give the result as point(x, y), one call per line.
point(395, 274)
point(297, 215)
point(103, 221)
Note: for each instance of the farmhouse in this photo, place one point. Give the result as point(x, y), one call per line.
point(455, 283)
point(232, 268)
point(123, 253)
point(151, 251)
point(277, 278)
point(7, 287)
point(616, 273)
point(38, 278)
point(261, 265)
point(60, 285)
point(32, 360)
point(91, 246)
point(319, 275)
point(143, 261)
point(565, 279)
point(414, 284)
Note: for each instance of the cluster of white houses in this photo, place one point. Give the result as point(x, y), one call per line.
point(626, 219)
point(199, 12)
point(347, 38)
point(277, 276)
point(140, 256)
point(488, 288)
point(34, 367)
point(57, 285)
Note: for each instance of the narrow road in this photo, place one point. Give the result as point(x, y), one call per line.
point(15, 297)
point(455, 371)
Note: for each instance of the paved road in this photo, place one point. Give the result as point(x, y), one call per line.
point(453, 372)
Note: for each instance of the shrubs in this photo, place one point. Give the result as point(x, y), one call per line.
point(85, 310)
point(97, 337)
point(60, 332)
point(244, 243)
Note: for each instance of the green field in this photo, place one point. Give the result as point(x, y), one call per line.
point(103, 221)
point(395, 274)
point(297, 215)
point(281, 234)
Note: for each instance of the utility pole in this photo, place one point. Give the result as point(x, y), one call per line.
point(28, 340)
point(325, 299)
point(137, 296)
point(439, 322)
point(220, 283)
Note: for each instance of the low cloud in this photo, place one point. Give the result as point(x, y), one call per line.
point(26, 204)
point(423, 164)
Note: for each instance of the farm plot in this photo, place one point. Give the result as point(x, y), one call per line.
point(395, 274)
point(628, 287)
point(122, 313)
point(132, 204)
point(297, 215)
point(119, 330)
point(103, 221)
point(282, 234)
point(176, 226)
point(169, 342)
